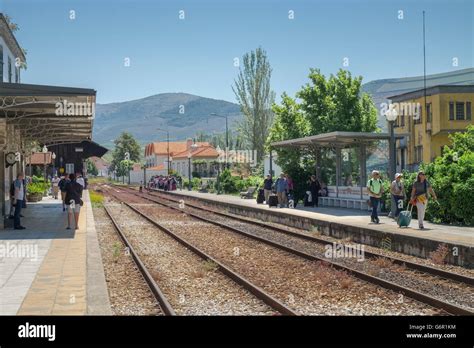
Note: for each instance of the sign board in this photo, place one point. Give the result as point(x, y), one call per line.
point(79, 149)
point(70, 168)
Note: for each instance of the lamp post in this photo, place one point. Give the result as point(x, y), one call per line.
point(189, 171)
point(226, 135)
point(45, 151)
point(53, 156)
point(391, 115)
point(168, 143)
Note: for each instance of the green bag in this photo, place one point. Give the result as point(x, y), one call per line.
point(404, 218)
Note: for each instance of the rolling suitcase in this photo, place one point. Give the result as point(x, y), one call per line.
point(260, 196)
point(404, 218)
point(273, 200)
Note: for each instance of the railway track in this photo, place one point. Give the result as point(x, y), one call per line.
point(154, 288)
point(260, 294)
point(414, 294)
point(412, 265)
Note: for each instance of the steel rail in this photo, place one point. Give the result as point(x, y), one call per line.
point(246, 284)
point(155, 289)
point(432, 301)
point(412, 265)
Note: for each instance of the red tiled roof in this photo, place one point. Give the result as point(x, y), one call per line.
point(161, 148)
point(200, 152)
point(158, 167)
point(99, 163)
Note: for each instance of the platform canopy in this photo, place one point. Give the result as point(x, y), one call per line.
point(48, 114)
point(336, 140)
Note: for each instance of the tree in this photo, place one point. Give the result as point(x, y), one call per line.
point(326, 105)
point(91, 168)
point(452, 177)
point(253, 93)
point(123, 144)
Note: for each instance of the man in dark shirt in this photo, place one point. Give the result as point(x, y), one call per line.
point(267, 187)
point(73, 200)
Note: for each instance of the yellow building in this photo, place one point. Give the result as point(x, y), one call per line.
point(447, 109)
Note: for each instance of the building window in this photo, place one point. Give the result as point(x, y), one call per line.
point(419, 154)
point(9, 69)
point(459, 111)
point(451, 111)
point(468, 111)
point(420, 116)
point(428, 112)
point(1, 63)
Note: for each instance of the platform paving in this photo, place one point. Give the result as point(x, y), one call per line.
point(351, 217)
point(56, 277)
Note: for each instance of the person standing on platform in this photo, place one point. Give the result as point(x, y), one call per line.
point(62, 187)
point(397, 191)
point(55, 186)
point(267, 187)
point(375, 188)
point(314, 187)
point(19, 197)
point(80, 180)
point(73, 200)
point(419, 196)
point(281, 186)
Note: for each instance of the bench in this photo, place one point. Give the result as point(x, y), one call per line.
point(204, 188)
point(249, 193)
point(350, 203)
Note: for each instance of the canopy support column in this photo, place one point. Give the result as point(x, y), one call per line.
point(318, 163)
point(338, 170)
point(363, 167)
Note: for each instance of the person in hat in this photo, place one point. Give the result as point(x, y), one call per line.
point(419, 196)
point(397, 190)
point(375, 188)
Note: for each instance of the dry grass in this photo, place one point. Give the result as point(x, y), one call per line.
point(383, 262)
point(210, 266)
point(438, 257)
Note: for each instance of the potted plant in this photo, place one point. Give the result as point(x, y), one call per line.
point(34, 192)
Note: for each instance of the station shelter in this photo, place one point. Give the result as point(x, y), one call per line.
point(346, 193)
point(39, 118)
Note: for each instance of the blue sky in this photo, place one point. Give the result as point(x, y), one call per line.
point(196, 55)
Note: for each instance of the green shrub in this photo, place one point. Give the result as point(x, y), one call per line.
point(452, 178)
point(38, 188)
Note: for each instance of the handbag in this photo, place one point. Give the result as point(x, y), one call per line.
point(81, 202)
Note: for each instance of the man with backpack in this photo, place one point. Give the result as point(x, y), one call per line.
point(375, 188)
point(281, 186)
point(397, 190)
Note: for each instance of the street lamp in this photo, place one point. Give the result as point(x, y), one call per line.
point(226, 135)
point(45, 151)
point(391, 115)
point(53, 156)
point(168, 143)
point(189, 171)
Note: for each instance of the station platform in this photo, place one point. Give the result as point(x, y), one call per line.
point(49, 270)
point(356, 225)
